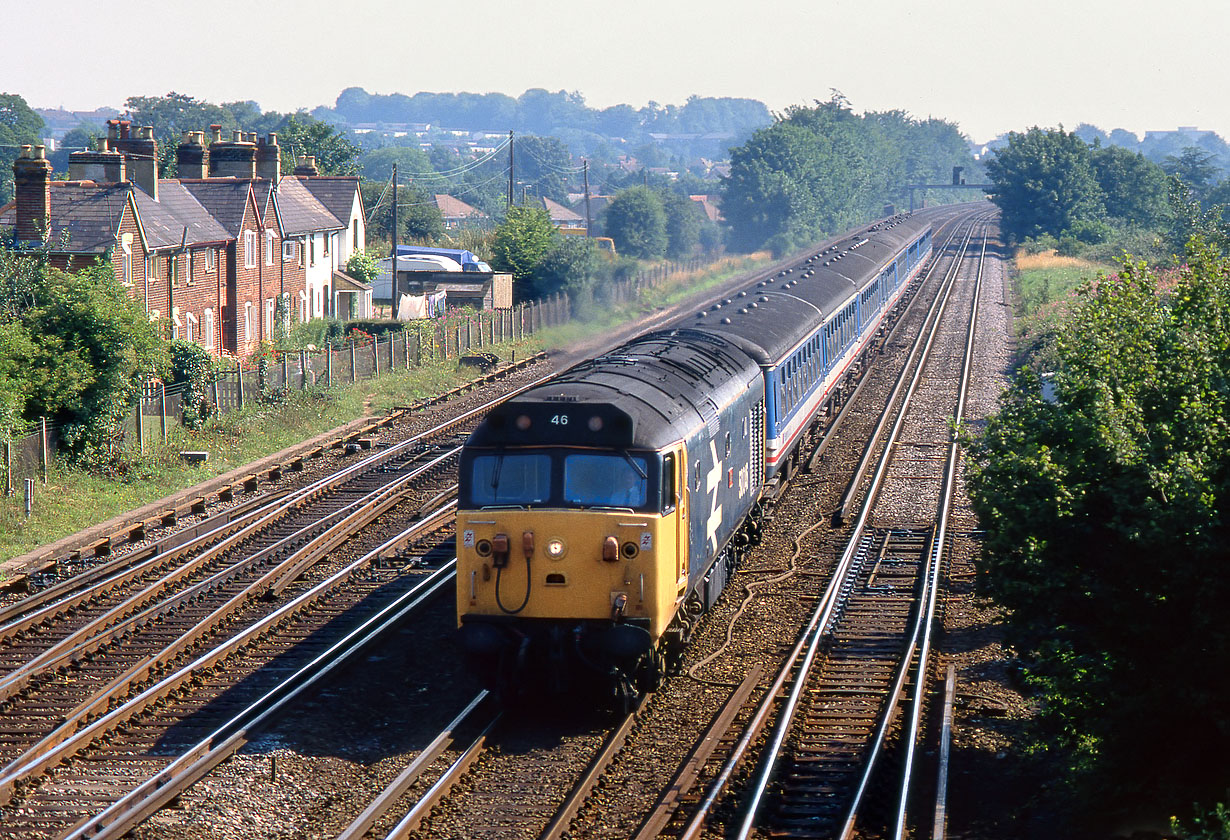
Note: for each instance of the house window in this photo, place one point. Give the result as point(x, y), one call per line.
point(302, 250)
point(268, 247)
point(209, 259)
point(328, 237)
point(207, 334)
point(303, 307)
point(288, 250)
point(127, 264)
point(286, 311)
point(355, 234)
point(312, 250)
point(247, 321)
point(249, 249)
point(173, 271)
point(192, 330)
point(150, 273)
point(268, 319)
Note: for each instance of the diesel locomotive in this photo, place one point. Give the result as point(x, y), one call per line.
point(601, 513)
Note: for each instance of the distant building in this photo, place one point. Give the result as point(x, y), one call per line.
point(458, 214)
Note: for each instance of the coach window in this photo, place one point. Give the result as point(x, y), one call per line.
point(668, 482)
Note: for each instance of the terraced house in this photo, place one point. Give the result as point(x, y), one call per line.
point(218, 254)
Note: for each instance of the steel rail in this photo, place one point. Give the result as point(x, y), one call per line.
point(89, 638)
point(829, 602)
point(122, 815)
point(950, 481)
point(720, 784)
point(407, 777)
point(558, 827)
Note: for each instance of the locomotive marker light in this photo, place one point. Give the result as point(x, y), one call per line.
point(556, 548)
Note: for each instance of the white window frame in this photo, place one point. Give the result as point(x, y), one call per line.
point(269, 310)
point(268, 247)
point(249, 249)
point(127, 267)
point(247, 321)
point(288, 250)
point(209, 259)
point(193, 332)
point(207, 332)
point(303, 306)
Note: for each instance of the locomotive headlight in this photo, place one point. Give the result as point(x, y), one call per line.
point(556, 548)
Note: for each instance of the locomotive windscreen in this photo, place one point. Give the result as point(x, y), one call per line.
point(561, 478)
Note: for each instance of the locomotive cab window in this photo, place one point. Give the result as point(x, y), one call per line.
point(606, 480)
point(523, 479)
point(668, 483)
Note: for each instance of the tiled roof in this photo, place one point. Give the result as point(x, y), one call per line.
point(300, 210)
point(225, 199)
point(164, 220)
point(343, 282)
point(335, 192)
point(85, 217)
point(455, 208)
point(560, 213)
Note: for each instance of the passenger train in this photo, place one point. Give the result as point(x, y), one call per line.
point(600, 513)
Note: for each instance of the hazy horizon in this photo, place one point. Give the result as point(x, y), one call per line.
point(1047, 63)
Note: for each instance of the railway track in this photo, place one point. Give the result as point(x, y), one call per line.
point(107, 667)
point(868, 639)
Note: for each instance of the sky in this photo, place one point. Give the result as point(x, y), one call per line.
point(989, 66)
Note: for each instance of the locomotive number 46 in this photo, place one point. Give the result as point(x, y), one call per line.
point(559, 420)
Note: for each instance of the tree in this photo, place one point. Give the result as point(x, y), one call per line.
point(636, 221)
point(19, 126)
point(304, 135)
point(175, 113)
point(1193, 167)
point(544, 163)
point(84, 348)
point(1105, 511)
point(521, 241)
point(418, 218)
point(1133, 187)
point(1044, 183)
point(572, 265)
point(683, 222)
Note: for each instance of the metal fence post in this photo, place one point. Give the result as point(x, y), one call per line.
point(239, 386)
point(29, 497)
point(8, 467)
point(303, 369)
point(329, 366)
point(375, 355)
point(162, 397)
point(217, 396)
point(45, 454)
point(353, 366)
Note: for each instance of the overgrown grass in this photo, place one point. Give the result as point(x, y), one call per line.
point(74, 499)
point(1046, 278)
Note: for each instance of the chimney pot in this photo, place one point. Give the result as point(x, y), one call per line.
point(273, 138)
point(236, 136)
point(215, 131)
point(25, 151)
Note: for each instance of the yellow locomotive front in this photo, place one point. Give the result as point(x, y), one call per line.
point(570, 557)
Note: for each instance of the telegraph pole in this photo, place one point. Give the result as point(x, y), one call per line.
point(510, 168)
point(587, 222)
point(393, 239)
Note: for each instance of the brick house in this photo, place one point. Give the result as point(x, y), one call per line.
point(212, 251)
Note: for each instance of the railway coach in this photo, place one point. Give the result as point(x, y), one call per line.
point(602, 512)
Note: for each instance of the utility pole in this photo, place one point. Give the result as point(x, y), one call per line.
point(585, 164)
point(510, 168)
point(393, 239)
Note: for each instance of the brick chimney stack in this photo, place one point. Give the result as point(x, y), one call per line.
point(105, 166)
point(269, 158)
point(234, 159)
point(306, 165)
point(32, 180)
point(191, 156)
point(140, 156)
